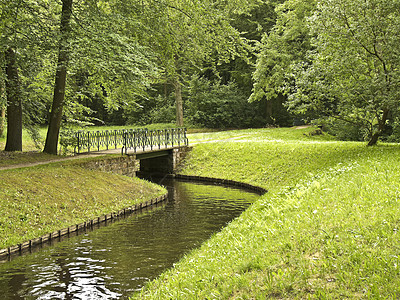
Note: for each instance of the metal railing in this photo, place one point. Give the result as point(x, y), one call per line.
point(129, 139)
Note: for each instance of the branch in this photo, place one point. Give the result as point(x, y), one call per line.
point(354, 35)
point(175, 8)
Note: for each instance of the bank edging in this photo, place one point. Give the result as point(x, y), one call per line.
point(259, 190)
point(24, 247)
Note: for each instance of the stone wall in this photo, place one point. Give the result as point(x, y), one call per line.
point(179, 156)
point(123, 165)
point(128, 164)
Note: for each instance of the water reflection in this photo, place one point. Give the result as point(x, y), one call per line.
point(114, 261)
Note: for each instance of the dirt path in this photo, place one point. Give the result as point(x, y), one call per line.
point(45, 162)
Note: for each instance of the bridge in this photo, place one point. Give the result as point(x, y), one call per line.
point(153, 151)
point(130, 139)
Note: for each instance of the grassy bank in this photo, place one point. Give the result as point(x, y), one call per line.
point(327, 229)
point(38, 200)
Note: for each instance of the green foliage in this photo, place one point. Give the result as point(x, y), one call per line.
point(163, 112)
point(68, 140)
point(355, 63)
point(34, 43)
point(214, 105)
point(117, 69)
point(392, 131)
point(2, 121)
point(34, 133)
point(151, 110)
point(118, 50)
point(186, 35)
point(343, 130)
point(252, 25)
point(281, 49)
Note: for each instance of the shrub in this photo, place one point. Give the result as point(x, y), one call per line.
point(215, 105)
point(342, 130)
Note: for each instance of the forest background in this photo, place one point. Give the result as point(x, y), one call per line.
point(210, 63)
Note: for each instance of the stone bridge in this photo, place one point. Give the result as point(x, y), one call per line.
point(143, 151)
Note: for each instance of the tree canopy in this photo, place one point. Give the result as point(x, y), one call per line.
point(354, 67)
point(113, 61)
point(334, 58)
point(112, 51)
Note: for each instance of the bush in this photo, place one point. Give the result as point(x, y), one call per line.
point(344, 131)
point(392, 131)
point(214, 105)
point(68, 140)
point(164, 112)
point(154, 109)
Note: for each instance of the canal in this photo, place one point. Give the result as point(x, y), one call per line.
point(113, 261)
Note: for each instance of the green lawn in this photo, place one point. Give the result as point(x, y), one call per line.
point(327, 229)
point(38, 200)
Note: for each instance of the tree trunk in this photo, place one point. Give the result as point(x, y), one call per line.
point(2, 120)
point(374, 139)
point(381, 127)
point(179, 103)
point(14, 104)
point(60, 81)
point(269, 112)
point(2, 109)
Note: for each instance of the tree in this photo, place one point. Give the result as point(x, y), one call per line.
point(101, 47)
point(2, 107)
point(14, 103)
point(281, 49)
point(60, 80)
point(110, 67)
point(184, 34)
point(25, 34)
point(12, 89)
point(214, 105)
point(252, 26)
point(354, 71)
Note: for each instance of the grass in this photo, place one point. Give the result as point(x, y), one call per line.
point(38, 200)
point(303, 134)
point(28, 144)
point(327, 229)
point(20, 158)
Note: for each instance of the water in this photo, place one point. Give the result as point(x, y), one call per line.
point(115, 260)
